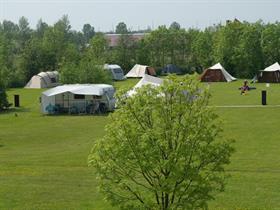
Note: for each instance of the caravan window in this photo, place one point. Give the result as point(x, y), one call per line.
point(118, 71)
point(97, 97)
point(77, 96)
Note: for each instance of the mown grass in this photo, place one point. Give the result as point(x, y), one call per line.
point(43, 159)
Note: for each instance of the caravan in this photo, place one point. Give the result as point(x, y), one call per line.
point(78, 98)
point(116, 71)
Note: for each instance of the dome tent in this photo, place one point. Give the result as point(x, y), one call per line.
point(44, 80)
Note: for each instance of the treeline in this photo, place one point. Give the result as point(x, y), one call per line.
point(243, 48)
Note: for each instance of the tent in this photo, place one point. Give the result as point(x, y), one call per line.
point(78, 98)
point(115, 70)
point(171, 69)
point(44, 80)
point(216, 73)
point(140, 70)
point(270, 74)
point(147, 79)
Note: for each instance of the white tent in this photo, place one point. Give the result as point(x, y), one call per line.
point(147, 79)
point(270, 74)
point(44, 80)
point(139, 71)
point(273, 67)
point(216, 73)
point(79, 96)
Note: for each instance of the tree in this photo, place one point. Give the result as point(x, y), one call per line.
point(69, 73)
point(121, 28)
point(88, 32)
point(162, 149)
point(41, 27)
point(91, 71)
point(24, 31)
point(4, 104)
point(271, 43)
point(125, 51)
point(202, 49)
point(175, 26)
point(98, 48)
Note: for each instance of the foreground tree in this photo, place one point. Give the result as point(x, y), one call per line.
point(162, 149)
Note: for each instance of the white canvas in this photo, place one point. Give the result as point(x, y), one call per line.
point(147, 79)
point(137, 71)
point(227, 76)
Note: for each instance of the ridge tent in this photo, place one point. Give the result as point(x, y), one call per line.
point(147, 79)
point(171, 69)
point(270, 74)
point(115, 70)
point(139, 71)
point(78, 98)
point(216, 73)
point(44, 80)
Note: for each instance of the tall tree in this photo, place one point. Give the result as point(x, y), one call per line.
point(88, 32)
point(162, 149)
point(175, 26)
point(4, 104)
point(24, 31)
point(271, 43)
point(125, 52)
point(121, 28)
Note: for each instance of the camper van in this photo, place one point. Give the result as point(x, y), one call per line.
point(116, 71)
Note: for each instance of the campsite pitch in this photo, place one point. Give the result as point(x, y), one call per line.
point(43, 159)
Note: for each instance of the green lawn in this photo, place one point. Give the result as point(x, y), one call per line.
point(43, 159)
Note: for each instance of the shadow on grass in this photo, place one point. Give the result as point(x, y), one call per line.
point(76, 115)
point(15, 110)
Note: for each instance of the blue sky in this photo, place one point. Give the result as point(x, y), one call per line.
point(104, 15)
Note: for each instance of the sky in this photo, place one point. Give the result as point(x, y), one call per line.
point(104, 15)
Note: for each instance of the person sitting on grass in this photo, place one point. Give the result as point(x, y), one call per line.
point(244, 88)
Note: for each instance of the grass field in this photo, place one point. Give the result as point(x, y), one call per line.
point(43, 159)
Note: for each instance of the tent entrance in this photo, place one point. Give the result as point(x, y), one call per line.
point(269, 77)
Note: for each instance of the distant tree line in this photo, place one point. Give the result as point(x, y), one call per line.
point(243, 48)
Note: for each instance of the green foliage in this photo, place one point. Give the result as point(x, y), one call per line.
point(271, 43)
point(88, 32)
point(202, 49)
point(175, 26)
point(125, 52)
point(88, 68)
point(92, 72)
point(162, 149)
point(69, 73)
point(242, 47)
point(4, 104)
point(98, 48)
point(121, 28)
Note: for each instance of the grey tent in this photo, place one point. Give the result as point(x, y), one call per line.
point(171, 69)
